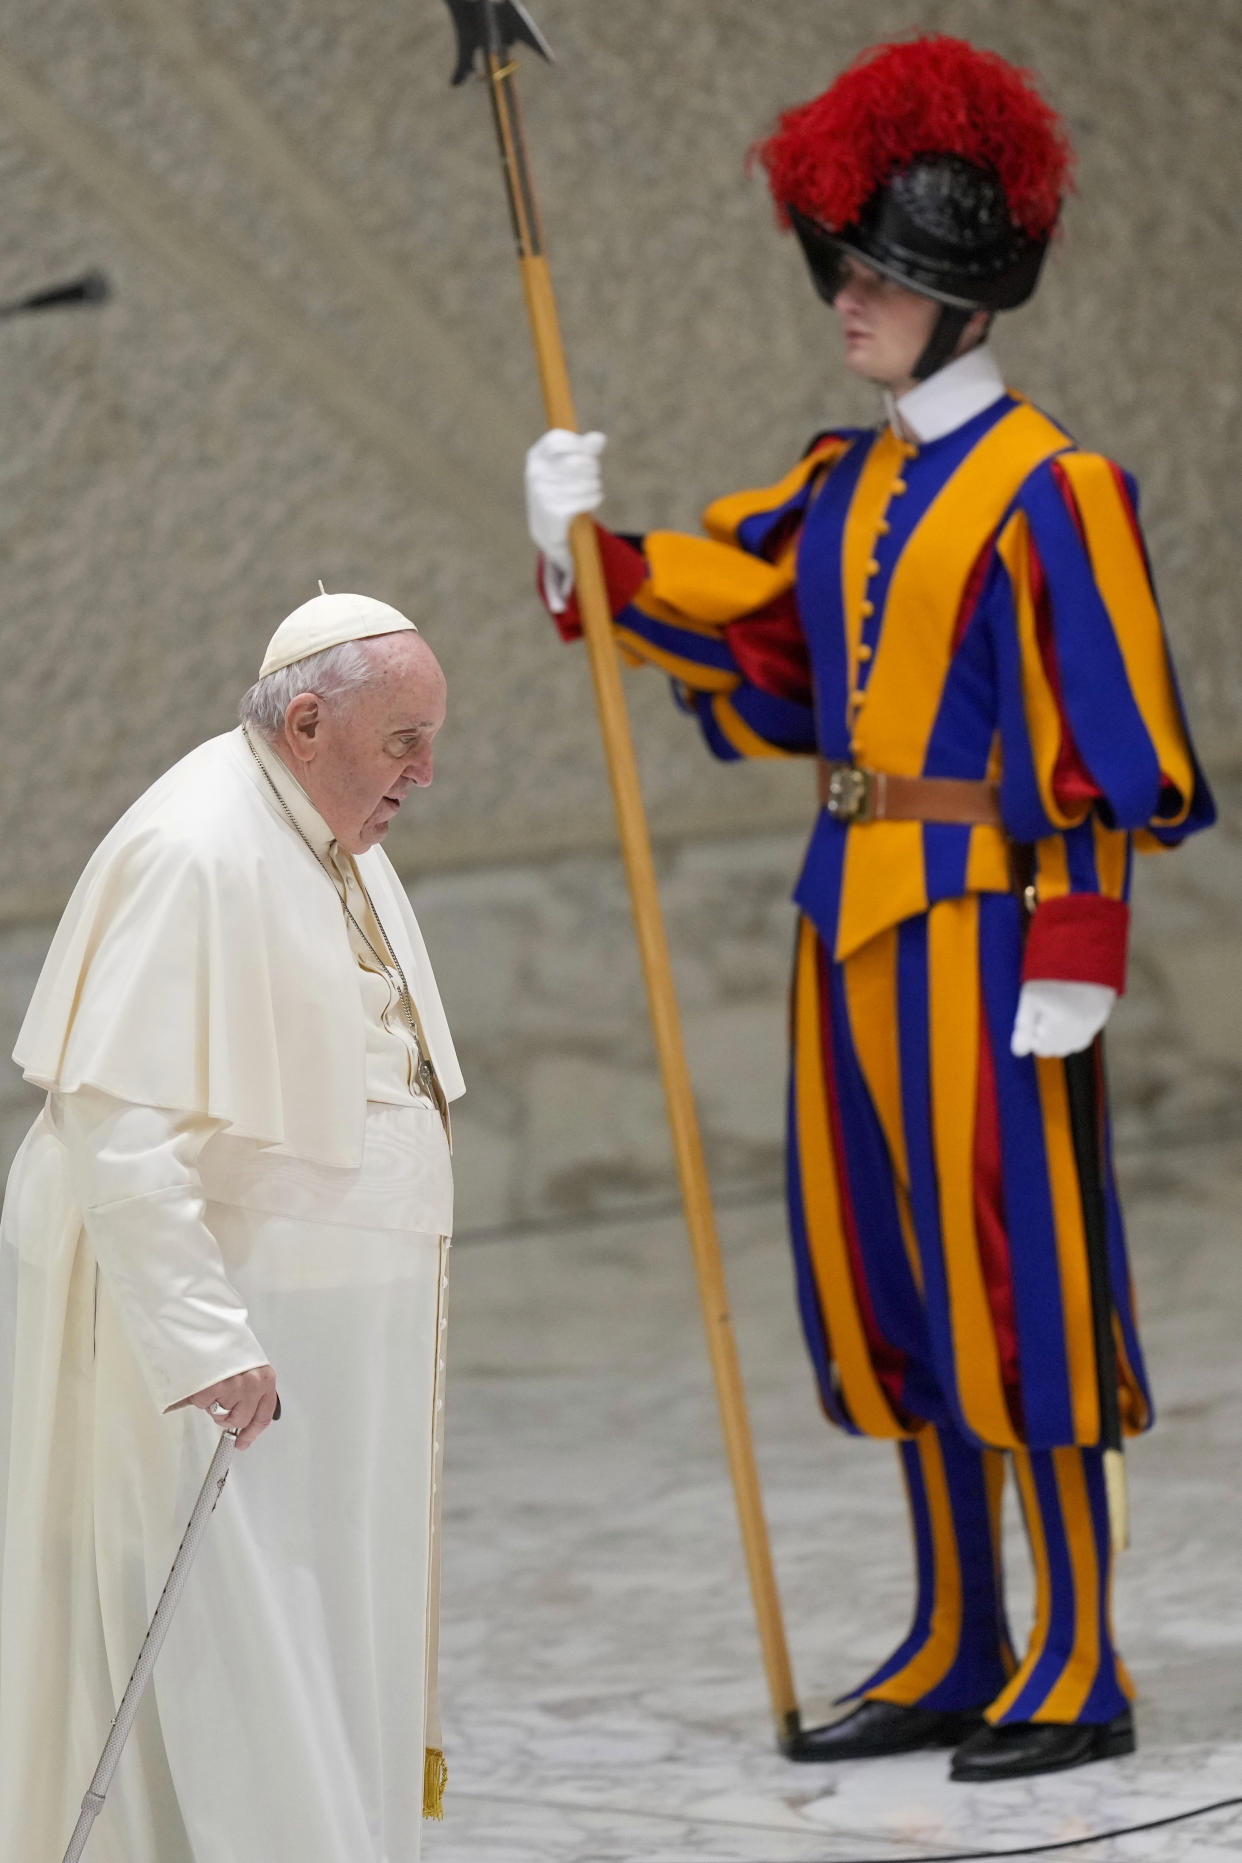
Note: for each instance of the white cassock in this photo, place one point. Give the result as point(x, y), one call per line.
point(235, 1165)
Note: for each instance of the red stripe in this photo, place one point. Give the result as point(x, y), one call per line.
point(971, 594)
point(887, 1361)
point(990, 1227)
point(625, 571)
point(771, 652)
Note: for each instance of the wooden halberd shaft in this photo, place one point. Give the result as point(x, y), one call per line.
point(635, 841)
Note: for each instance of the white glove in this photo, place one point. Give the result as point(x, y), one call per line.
point(562, 479)
point(1057, 1018)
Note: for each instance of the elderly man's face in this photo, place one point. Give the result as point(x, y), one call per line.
point(359, 755)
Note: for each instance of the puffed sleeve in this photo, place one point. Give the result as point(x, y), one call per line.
point(1097, 758)
point(134, 1171)
point(718, 614)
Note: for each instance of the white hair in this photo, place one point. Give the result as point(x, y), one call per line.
point(329, 675)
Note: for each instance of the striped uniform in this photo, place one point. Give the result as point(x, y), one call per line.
point(976, 607)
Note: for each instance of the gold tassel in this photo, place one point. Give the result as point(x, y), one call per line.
point(435, 1778)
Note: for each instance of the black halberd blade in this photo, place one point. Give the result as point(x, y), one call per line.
point(509, 24)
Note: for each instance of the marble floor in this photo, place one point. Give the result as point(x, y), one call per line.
point(603, 1695)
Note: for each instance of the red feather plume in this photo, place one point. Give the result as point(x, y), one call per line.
point(930, 95)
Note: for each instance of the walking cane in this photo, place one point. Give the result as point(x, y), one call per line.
point(209, 1494)
point(486, 31)
point(1082, 1093)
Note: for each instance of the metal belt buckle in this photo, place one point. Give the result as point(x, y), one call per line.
point(849, 793)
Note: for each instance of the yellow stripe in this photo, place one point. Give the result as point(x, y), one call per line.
point(708, 581)
point(1064, 1700)
point(994, 1489)
point(932, 1662)
point(862, 1391)
point(987, 861)
point(1071, 1250)
point(871, 1003)
point(724, 515)
point(699, 678)
point(746, 742)
point(1121, 577)
point(1110, 859)
point(1033, 1522)
point(925, 594)
point(953, 998)
point(872, 495)
point(1052, 879)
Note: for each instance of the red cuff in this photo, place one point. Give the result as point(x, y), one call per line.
point(1079, 938)
point(625, 571)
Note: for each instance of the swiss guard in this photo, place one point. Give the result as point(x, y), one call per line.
point(951, 612)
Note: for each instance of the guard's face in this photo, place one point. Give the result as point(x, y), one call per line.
point(359, 755)
point(885, 326)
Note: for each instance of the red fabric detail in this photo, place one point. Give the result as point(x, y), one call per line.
point(625, 571)
point(929, 95)
point(771, 652)
point(887, 1361)
point(990, 1227)
point(1079, 938)
point(971, 594)
point(1071, 504)
point(1072, 782)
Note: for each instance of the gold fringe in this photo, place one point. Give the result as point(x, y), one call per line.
point(435, 1778)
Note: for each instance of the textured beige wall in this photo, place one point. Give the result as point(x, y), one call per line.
point(315, 363)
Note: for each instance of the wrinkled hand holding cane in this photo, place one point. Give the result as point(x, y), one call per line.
point(246, 1403)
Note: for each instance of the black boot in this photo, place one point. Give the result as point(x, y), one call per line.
point(879, 1727)
point(1017, 1749)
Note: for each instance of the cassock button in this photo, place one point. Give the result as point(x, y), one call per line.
point(868, 608)
point(899, 486)
point(883, 527)
point(873, 568)
point(864, 651)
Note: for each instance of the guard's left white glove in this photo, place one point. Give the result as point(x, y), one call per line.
point(1058, 1018)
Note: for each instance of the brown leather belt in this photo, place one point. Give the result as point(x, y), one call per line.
point(851, 794)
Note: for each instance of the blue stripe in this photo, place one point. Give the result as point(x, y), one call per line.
point(1062, 1617)
point(1030, 1222)
point(946, 851)
point(683, 642)
point(717, 742)
point(1080, 857)
point(754, 532)
point(1105, 1697)
point(782, 722)
point(914, 1047)
point(1021, 804)
point(1106, 723)
point(872, 1192)
point(960, 742)
point(818, 591)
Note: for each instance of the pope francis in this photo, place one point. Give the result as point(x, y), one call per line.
point(239, 1183)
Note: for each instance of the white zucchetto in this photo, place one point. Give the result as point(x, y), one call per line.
point(329, 621)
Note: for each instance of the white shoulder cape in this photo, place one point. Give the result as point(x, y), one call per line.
point(202, 964)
